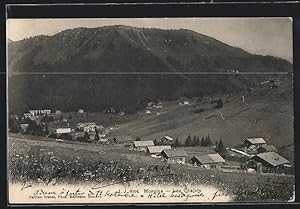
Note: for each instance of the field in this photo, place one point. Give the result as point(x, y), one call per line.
point(268, 113)
point(50, 162)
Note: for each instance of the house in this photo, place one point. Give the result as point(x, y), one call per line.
point(104, 141)
point(147, 112)
point(210, 161)
point(80, 111)
point(90, 126)
point(156, 150)
point(24, 126)
point(174, 156)
point(271, 161)
point(185, 102)
point(59, 128)
point(58, 112)
point(142, 145)
point(254, 141)
point(39, 112)
point(166, 140)
point(267, 148)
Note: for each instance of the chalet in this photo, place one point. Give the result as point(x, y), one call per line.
point(104, 141)
point(254, 141)
point(142, 145)
point(271, 161)
point(174, 156)
point(24, 126)
point(39, 112)
point(156, 150)
point(210, 161)
point(267, 148)
point(90, 126)
point(166, 140)
point(59, 128)
point(58, 112)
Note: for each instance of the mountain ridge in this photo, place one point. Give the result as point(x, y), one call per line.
point(127, 49)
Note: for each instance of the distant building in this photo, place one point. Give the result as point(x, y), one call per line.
point(166, 140)
point(104, 141)
point(59, 128)
point(24, 126)
point(142, 145)
point(147, 112)
point(254, 141)
point(90, 126)
point(39, 112)
point(270, 160)
point(156, 150)
point(58, 112)
point(80, 111)
point(174, 156)
point(267, 148)
point(210, 161)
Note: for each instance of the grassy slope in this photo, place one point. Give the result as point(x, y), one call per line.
point(272, 109)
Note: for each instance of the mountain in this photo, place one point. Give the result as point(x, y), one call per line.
point(126, 49)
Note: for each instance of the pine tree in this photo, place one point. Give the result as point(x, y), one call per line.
point(198, 141)
point(202, 143)
point(97, 138)
point(221, 147)
point(216, 144)
point(138, 139)
point(176, 143)
point(188, 141)
point(194, 142)
point(208, 141)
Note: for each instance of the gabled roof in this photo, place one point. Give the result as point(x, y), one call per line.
point(216, 158)
point(158, 149)
point(272, 158)
point(169, 138)
point(210, 159)
point(174, 153)
point(270, 148)
point(143, 143)
point(256, 140)
point(103, 140)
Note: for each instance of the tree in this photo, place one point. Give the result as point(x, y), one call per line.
point(61, 118)
point(208, 142)
point(97, 138)
point(188, 141)
point(221, 147)
point(156, 142)
point(194, 142)
point(14, 126)
point(219, 103)
point(216, 144)
point(138, 138)
point(202, 143)
point(198, 141)
point(177, 143)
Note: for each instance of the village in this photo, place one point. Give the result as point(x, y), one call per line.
point(254, 155)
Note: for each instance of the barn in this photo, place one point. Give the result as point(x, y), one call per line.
point(271, 161)
point(210, 161)
point(156, 150)
point(142, 145)
point(174, 156)
point(254, 141)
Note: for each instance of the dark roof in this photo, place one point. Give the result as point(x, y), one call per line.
point(174, 153)
point(272, 158)
point(269, 148)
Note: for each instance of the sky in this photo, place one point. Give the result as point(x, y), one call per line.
point(263, 36)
